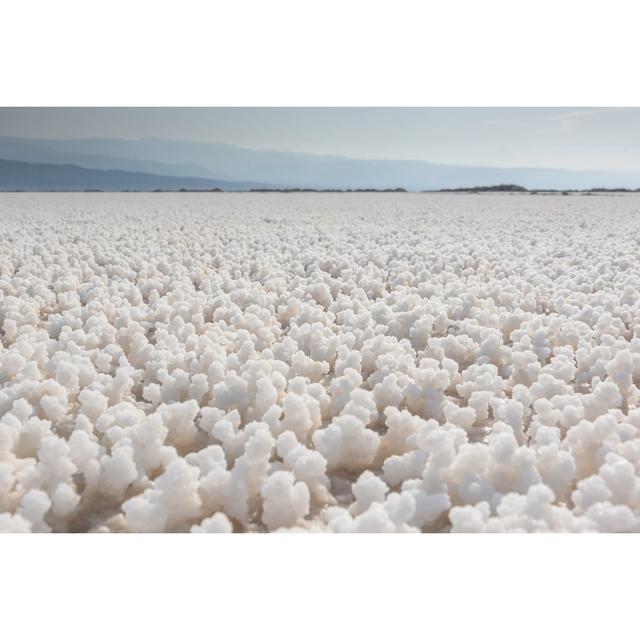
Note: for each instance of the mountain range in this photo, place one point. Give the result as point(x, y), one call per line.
point(152, 163)
point(40, 176)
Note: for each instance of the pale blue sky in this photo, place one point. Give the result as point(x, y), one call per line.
point(577, 138)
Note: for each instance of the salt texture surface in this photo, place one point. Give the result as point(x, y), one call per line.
point(315, 362)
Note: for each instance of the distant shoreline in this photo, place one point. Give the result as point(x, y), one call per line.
point(461, 191)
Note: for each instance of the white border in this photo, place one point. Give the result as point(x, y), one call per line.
point(334, 52)
point(319, 587)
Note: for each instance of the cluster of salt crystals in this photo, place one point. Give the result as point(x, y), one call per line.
point(319, 363)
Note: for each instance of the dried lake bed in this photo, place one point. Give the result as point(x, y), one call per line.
point(319, 362)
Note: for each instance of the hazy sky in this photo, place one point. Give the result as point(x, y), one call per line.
point(577, 138)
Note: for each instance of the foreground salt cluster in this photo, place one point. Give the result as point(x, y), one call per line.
point(339, 363)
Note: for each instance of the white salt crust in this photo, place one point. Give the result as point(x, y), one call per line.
point(323, 363)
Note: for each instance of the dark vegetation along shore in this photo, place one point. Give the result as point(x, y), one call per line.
point(511, 189)
point(299, 190)
point(516, 188)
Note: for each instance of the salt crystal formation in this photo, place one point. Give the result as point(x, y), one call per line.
point(338, 363)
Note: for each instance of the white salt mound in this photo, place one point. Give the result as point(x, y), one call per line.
point(322, 363)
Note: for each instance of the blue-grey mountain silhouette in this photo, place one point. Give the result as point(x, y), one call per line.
point(39, 176)
point(214, 161)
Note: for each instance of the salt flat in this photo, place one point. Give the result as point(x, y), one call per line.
point(319, 362)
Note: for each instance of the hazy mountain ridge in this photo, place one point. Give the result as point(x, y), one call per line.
point(32, 176)
point(96, 156)
point(216, 161)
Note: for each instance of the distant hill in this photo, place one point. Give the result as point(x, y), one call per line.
point(100, 154)
point(223, 162)
point(32, 176)
point(495, 187)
